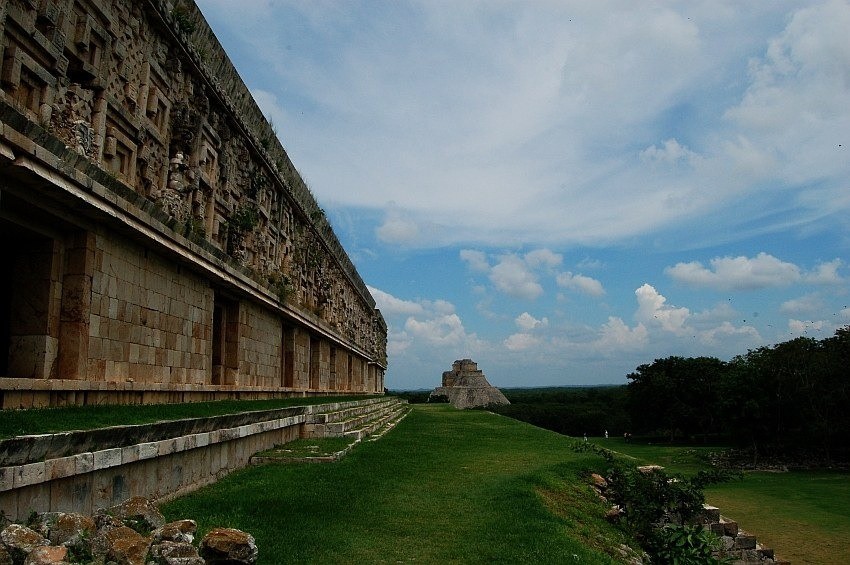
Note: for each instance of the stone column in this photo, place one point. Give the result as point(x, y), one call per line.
point(75, 313)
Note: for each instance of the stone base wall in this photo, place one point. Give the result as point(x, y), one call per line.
point(82, 471)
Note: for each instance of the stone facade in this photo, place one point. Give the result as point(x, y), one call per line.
point(157, 243)
point(466, 387)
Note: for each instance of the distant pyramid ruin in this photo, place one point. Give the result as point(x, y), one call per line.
point(467, 387)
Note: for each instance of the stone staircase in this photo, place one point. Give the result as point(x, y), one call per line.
point(357, 421)
point(738, 546)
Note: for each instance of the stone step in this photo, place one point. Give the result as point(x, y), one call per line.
point(386, 420)
point(342, 427)
point(346, 412)
point(396, 417)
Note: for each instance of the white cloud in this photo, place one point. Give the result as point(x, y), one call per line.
point(616, 336)
point(397, 228)
point(476, 260)
point(391, 306)
point(670, 153)
point(570, 88)
point(542, 258)
point(446, 329)
point(581, 283)
point(802, 327)
point(653, 310)
point(514, 277)
point(729, 334)
point(737, 273)
point(527, 322)
point(802, 305)
point(520, 341)
point(826, 273)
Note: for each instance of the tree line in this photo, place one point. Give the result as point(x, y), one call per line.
point(794, 396)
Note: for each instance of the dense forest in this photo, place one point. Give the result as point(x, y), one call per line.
point(790, 396)
point(793, 397)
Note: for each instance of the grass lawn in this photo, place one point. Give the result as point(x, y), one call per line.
point(803, 515)
point(445, 486)
point(48, 420)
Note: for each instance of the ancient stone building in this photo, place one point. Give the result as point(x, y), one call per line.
point(156, 242)
point(465, 386)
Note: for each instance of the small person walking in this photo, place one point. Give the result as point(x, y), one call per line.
point(585, 437)
point(606, 434)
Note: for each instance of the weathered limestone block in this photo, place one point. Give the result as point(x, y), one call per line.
point(228, 546)
point(175, 553)
point(62, 528)
point(20, 541)
point(181, 531)
point(47, 555)
point(138, 513)
point(122, 544)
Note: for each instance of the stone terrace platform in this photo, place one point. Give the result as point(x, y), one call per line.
point(80, 471)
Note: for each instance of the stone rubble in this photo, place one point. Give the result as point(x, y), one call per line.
point(131, 533)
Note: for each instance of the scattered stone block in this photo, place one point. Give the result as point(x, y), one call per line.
point(20, 541)
point(228, 546)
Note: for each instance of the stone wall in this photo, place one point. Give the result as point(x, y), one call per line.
point(84, 470)
point(148, 321)
point(157, 236)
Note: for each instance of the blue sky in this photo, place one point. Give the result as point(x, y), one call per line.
point(561, 190)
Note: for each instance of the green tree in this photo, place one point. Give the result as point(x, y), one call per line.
point(676, 395)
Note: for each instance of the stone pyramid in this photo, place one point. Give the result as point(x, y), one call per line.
point(467, 387)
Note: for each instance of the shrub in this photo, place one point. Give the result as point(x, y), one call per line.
point(657, 509)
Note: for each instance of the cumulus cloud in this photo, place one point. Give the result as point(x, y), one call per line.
point(728, 333)
point(802, 305)
point(397, 228)
point(515, 275)
point(520, 341)
point(737, 273)
point(446, 329)
point(615, 335)
point(421, 326)
point(653, 310)
point(670, 153)
point(476, 260)
point(801, 327)
point(527, 322)
point(391, 306)
point(581, 283)
point(745, 273)
point(542, 258)
point(826, 273)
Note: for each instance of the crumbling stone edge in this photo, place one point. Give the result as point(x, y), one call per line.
point(131, 533)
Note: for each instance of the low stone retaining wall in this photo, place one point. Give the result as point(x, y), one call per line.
point(84, 470)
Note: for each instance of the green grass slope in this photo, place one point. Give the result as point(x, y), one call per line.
point(445, 486)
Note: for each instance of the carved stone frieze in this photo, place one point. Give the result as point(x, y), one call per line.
point(162, 110)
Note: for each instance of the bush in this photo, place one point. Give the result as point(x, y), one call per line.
point(657, 509)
